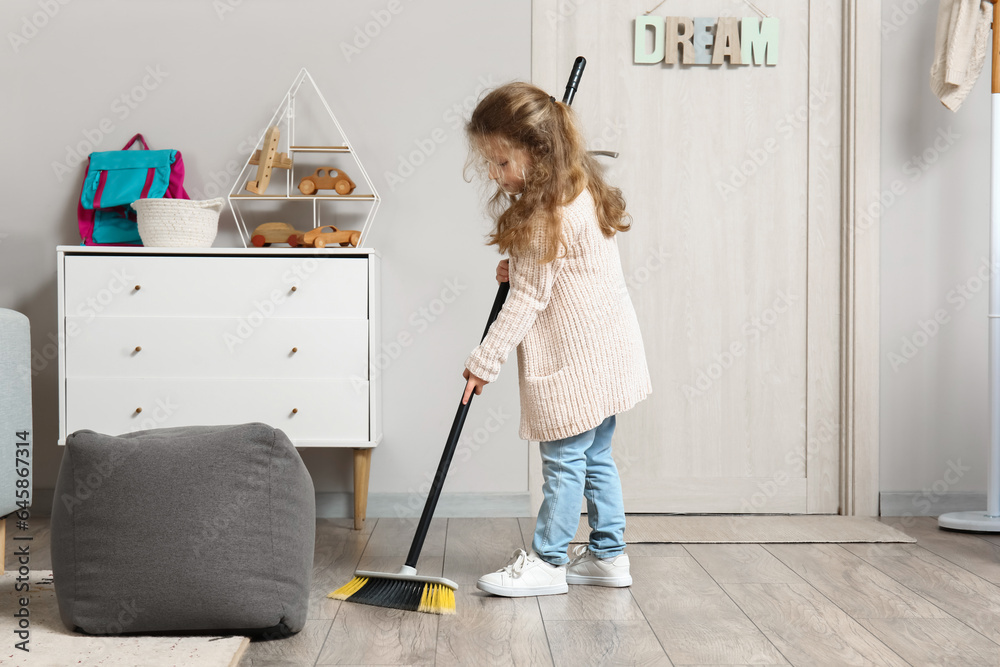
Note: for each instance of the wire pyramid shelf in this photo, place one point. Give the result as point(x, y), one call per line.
point(284, 118)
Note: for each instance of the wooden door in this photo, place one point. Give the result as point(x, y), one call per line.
point(732, 175)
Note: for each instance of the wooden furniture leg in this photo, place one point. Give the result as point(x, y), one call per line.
point(3, 544)
point(362, 466)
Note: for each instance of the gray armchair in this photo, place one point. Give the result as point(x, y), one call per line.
point(16, 433)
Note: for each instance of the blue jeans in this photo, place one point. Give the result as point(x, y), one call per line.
point(575, 467)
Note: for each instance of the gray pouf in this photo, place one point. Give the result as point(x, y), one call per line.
point(200, 528)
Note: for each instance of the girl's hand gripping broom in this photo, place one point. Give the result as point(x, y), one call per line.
point(406, 589)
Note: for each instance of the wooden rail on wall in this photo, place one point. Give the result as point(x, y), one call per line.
point(996, 48)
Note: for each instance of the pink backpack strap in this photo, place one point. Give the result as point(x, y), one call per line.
point(175, 189)
point(85, 217)
point(100, 189)
point(150, 175)
point(140, 139)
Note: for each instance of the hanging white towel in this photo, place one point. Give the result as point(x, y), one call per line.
point(960, 46)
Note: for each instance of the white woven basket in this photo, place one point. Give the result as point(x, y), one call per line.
point(178, 223)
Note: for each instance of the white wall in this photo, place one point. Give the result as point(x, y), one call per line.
point(220, 84)
point(935, 241)
point(222, 67)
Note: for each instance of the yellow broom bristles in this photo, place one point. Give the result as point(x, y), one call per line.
point(437, 599)
point(348, 589)
point(446, 601)
point(425, 599)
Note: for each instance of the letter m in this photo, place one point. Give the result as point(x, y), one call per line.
point(758, 39)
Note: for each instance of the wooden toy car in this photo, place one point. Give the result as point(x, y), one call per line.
point(274, 232)
point(327, 178)
point(322, 236)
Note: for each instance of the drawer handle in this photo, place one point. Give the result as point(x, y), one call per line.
point(295, 411)
point(294, 350)
point(138, 287)
point(138, 348)
point(294, 288)
point(138, 410)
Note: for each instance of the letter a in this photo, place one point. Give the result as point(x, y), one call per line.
point(727, 42)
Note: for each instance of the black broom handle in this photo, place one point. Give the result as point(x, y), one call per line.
point(463, 408)
point(450, 447)
point(574, 79)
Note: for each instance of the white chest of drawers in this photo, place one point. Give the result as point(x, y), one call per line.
point(155, 337)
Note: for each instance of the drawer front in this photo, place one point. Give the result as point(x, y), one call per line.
point(155, 347)
point(323, 409)
point(254, 288)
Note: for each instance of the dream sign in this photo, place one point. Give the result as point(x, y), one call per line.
point(707, 41)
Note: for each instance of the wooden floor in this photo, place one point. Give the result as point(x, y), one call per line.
point(936, 602)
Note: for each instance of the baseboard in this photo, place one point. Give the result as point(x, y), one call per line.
point(919, 503)
point(341, 505)
point(335, 505)
point(403, 505)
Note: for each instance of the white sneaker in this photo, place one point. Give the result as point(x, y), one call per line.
point(586, 568)
point(525, 575)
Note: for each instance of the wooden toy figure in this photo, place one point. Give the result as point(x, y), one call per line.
point(267, 159)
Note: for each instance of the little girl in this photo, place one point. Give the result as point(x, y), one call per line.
point(580, 356)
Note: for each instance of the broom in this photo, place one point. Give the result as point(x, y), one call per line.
point(406, 589)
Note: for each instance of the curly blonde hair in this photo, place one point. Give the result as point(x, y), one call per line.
point(520, 115)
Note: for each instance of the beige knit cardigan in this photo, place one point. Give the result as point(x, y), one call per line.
point(961, 42)
point(580, 357)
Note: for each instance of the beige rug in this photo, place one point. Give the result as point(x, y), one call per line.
point(732, 529)
point(52, 645)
